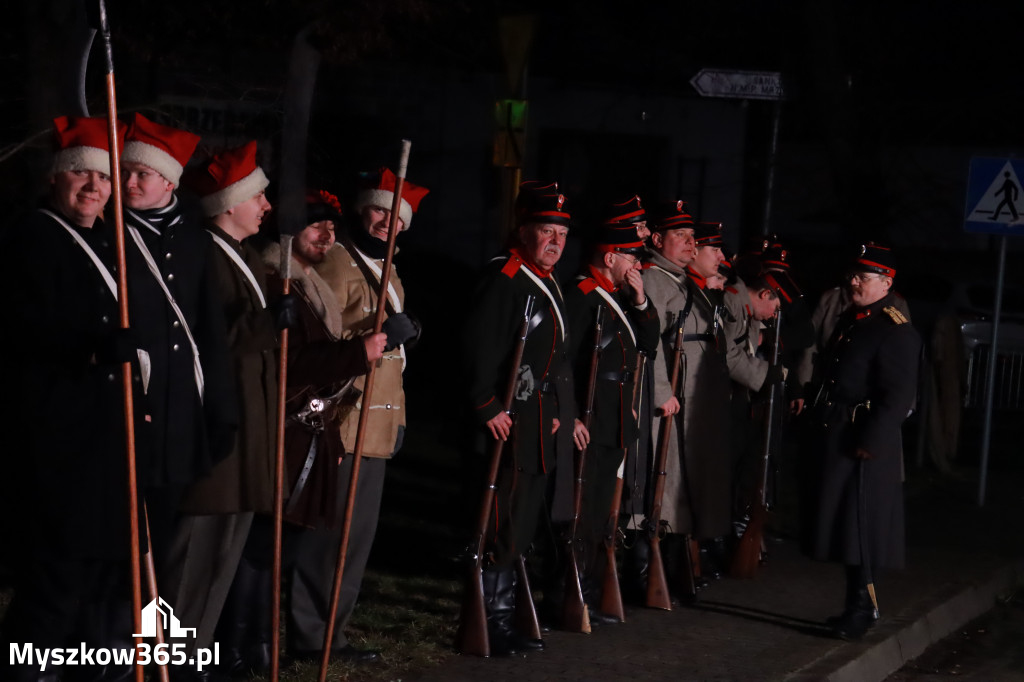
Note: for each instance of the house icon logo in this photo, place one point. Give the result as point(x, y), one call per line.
point(160, 610)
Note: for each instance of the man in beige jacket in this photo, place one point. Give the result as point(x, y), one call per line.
point(353, 269)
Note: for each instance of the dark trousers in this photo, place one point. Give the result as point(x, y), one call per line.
point(314, 554)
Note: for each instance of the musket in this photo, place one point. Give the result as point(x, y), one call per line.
point(611, 591)
point(282, 385)
point(657, 584)
point(747, 556)
point(364, 413)
point(471, 637)
point(575, 615)
point(126, 368)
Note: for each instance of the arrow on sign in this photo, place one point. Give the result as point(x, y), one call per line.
point(738, 84)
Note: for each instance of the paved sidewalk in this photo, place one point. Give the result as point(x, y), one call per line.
point(960, 558)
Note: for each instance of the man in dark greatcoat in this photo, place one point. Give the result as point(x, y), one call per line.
point(66, 458)
point(176, 312)
point(611, 282)
point(866, 387)
point(526, 269)
point(217, 510)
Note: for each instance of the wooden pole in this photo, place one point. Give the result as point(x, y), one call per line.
point(126, 368)
point(364, 412)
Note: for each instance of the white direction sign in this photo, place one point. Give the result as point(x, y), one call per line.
point(738, 84)
point(995, 199)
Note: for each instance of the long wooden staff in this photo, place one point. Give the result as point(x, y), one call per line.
point(122, 299)
point(364, 412)
point(282, 384)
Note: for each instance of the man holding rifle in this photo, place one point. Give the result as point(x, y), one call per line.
point(612, 282)
point(526, 269)
point(70, 482)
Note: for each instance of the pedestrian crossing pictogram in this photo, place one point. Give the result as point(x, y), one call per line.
point(995, 199)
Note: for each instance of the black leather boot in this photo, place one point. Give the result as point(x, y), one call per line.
point(499, 601)
point(857, 620)
point(244, 626)
point(635, 564)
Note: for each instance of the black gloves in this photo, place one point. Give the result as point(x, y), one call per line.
point(774, 376)
point(401, 328)
point(285, 310)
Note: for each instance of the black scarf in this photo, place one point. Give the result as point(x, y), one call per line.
point(368, 244)
point(159, 218)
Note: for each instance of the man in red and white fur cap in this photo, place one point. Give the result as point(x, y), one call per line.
point(65, 476)
point(352, 270)
point(178, 315)
point(217, 510)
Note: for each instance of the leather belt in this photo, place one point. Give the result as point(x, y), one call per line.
point(709, 338)
point(621, 376)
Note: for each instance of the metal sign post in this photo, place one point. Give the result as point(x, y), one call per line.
point(993, 196)
point(766, 85)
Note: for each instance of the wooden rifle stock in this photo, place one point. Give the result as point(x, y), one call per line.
point(471, 637)
point(748, 552)
point(575, 615)
point(611, 591)
point(657, 584)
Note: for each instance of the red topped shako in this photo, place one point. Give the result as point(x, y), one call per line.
point(782, 284)
point(378, 189)
point(541, 202)
point(227, 179)
point(876, 258)
point(627, 212)
point(708, 234)
point(164, 149)
point(82, 144)
point(619, 238)
point(670, 215)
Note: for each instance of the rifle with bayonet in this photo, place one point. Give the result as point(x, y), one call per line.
point(747, 557)
point(611, 591)
point(471, 637)
point(657, 584)
point(575, 615)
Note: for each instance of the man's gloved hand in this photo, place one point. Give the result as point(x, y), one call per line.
point(119, 347)
point(285, 310)
point(401, 328)
point(776, 374)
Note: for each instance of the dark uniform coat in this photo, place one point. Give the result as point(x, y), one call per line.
point(320, 364)
point(189, 432)
point(868, 381)
point(613, 428)
point(244, 480)
point(490, 338)
point(65, 445)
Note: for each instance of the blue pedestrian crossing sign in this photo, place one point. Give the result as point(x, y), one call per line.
point(995, 197)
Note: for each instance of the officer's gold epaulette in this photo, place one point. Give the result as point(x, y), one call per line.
point(895, 315)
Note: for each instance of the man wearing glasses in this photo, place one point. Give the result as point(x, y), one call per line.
point(611, 283)
point(865, 389)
